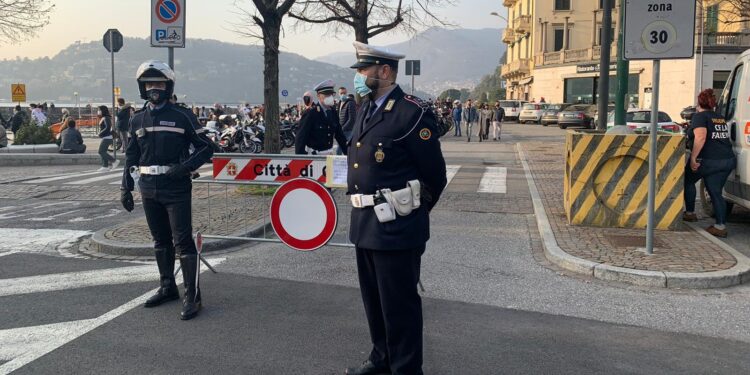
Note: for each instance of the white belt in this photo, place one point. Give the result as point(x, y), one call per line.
point(362, 200)
point(154, 169)
point(330, 151)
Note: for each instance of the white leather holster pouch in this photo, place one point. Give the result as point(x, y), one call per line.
point(405, 200)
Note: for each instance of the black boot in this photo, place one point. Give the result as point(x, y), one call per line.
point(191, 304)
point(168, 288)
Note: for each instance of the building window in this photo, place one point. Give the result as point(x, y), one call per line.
point(712, 19)
point(720, 79)
point(611, 35)
point(559, 35)
point(562, 4)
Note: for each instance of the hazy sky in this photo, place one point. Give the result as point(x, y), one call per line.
point(87, 20)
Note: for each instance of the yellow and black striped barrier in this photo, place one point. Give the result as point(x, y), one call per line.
point(606, 180)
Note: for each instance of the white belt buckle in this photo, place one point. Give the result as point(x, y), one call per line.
point(356, 200)
point(154, 169)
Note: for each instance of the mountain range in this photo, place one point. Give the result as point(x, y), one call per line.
point(210, 71)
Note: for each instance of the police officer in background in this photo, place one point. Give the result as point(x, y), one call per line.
point(394, 151)
point(161, 135)
point(319, 125)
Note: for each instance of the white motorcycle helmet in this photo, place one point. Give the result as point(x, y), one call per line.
point(154, 71)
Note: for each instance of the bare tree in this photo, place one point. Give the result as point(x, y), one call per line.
point(22, 19)
point(733, 11)
point(267, 16)
point(368, 18)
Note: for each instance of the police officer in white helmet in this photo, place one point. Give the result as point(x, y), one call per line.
point(159, 153)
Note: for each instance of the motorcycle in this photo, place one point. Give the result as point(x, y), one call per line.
point(286, 134)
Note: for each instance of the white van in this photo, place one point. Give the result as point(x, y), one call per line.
point(733, 105)
point(512, 108)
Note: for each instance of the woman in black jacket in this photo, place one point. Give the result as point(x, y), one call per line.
point(105, 133)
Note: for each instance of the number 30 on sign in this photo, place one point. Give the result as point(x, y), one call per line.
point(659, 37)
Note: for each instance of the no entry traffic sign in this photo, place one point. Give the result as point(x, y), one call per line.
point(303, 214)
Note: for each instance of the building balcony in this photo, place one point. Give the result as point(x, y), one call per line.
point(572, 56)
point(516, 67)
point(509, 36)
point(509, 3)
point(522, 24)
point(723, 42)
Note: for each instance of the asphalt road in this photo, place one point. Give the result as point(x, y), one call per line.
point(492, 305)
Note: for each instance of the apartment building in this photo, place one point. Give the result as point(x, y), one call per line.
point(566, 44)
point(518, 67)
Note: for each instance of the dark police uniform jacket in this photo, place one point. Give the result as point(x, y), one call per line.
point(403, 133)
point(163, 137)
point(317, 131)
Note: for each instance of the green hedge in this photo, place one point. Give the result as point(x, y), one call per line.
point(31, 134)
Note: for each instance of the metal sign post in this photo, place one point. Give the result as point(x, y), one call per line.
point(113, 42)
point(412, 69)
point(657, 31)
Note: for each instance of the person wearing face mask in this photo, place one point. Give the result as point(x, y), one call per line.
point(105, 133)
point(319, 124)
point(159, 155)
point(347, 113)
point(394, 151)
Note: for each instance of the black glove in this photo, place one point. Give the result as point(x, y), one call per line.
point(126, 198)
point(177, 170)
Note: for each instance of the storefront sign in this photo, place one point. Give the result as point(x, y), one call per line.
point(592, 68)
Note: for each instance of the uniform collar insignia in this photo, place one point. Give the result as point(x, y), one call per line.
point(389, 105)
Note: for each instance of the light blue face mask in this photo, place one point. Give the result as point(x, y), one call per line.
point(360, 84)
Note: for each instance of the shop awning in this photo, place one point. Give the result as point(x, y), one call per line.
point(526, 81)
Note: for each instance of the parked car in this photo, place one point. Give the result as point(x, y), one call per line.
point(640, 121)
point(532, 112)
point(577, 115)
point(733, 105)
point(512, 108)
point(549, 116)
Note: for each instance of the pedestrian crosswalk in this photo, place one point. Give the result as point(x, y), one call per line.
point(493, 179)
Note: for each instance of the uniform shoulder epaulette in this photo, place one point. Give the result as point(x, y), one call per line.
point(417, 100)
point(143, 109)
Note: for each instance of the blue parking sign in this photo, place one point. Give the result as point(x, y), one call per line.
point(284, 93)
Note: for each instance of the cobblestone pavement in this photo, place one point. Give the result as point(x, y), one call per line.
point(674, 251)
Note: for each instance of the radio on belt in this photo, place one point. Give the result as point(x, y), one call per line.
point(387, 203)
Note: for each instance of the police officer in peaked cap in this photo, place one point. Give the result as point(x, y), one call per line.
point(319, 124)
point(160, 154)
point(394, 152)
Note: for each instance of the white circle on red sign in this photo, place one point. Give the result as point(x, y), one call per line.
point(303, 214)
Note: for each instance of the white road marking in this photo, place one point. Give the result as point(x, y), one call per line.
point(8, 253)
point(61, 177)
point(38, 240)
point(450, 172)
point(117, 174)
point(49, 218)
point(493, 180)
point(110, 213)
point(76, 280)
point(22, 346)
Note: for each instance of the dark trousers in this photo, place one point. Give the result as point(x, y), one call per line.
point(169, 219)
point(714, 173)
point(106, 157)
point(388, 282)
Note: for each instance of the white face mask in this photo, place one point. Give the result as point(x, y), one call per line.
point(328, 101)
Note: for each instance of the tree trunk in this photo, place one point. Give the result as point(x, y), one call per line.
point(360, 26)
point(271, 84)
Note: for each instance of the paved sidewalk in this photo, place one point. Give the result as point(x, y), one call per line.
point(689, 256)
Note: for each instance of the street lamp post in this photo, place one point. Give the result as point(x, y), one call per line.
point(506, 51)
point(77, 107)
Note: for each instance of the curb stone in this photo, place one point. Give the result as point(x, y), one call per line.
point(103, 247)
point(738, 274)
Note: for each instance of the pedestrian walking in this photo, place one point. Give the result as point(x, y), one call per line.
point(124, 113)
point(395, 177)
point(497, 122)
point(38, 115)
point(3, 136)
point(320, 125)
point(71, 141)
point(159, 153)
point(105, 134)
point(485, 117)
point(711, 160)
point(457, 110)
point(469, 117)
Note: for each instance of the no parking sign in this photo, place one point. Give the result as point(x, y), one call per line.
point(168, 23)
